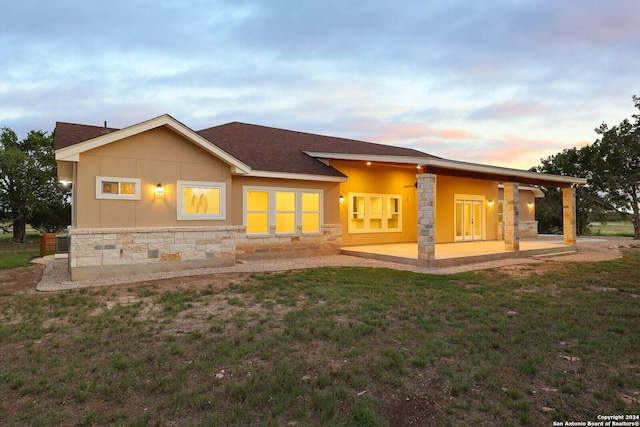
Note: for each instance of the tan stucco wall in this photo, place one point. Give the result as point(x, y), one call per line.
point(331, 193)
point(446, 188)
point(525, 197)
point(380, 179)
point(156, 156)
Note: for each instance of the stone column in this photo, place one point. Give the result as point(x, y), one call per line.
point(511, 217)
point(426, 217)
point(569, 215)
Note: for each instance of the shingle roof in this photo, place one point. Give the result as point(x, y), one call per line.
point(278, 150)
point(260, 147)
point(67, 134)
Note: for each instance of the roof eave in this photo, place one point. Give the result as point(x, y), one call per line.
point(498, 170)
point(296, 176)
point(383, 158)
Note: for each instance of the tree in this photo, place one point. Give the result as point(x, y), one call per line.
point(28, 182)
point(615, 165)
point(612, 168)
point(569, 162)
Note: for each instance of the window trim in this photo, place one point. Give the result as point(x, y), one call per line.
point(100, 180)
point(367, 213)
point(201, 184)
point(271, 211)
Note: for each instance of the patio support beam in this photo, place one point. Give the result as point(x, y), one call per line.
point(569, 215)
point(426, 217)
point(511, 217)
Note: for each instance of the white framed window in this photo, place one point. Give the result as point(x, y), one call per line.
point(374, 213)
point(108, 187)
point(286, 209)
point(199, 200)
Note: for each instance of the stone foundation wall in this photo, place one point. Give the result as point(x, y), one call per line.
point(289, 245)
point(527, 229)
point(95, 253)
point(112, 252)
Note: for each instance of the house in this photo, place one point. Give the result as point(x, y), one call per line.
point(159, 196)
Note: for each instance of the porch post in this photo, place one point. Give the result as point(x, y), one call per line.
point(426, 217)
point(569, 215)
point(511, 217)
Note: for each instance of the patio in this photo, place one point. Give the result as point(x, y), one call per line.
point(454, 254)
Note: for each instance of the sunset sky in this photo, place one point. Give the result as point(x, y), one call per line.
point(496, 82)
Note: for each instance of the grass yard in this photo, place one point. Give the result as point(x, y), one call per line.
point(618, 228)
point(18, 255)
point(329, 347)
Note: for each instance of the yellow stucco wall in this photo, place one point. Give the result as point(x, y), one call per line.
point(525, 198)
point(156, 156)
point(446, 188)
point(379, 179)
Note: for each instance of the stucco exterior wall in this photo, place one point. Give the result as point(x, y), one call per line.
point(446, 188)
point(156, 156)
point(379, 179)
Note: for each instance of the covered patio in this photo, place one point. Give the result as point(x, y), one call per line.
point(461, 253)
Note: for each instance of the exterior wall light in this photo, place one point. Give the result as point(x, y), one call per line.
point(490, 203)
point(341, 199)
point(530, 205)
point(159, 190)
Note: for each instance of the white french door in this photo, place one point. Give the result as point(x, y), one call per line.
point(469, 221)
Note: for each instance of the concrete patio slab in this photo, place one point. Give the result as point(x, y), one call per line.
point(453, 254)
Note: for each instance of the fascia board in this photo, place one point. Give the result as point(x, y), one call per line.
point(296, 176)
point(412, 160)
point(475, 167)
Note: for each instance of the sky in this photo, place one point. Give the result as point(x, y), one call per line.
point(503, 82)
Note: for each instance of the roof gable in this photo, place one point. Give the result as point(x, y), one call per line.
point(69, 148)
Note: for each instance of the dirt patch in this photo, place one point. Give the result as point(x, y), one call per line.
point(422, 407)
point(20, 279)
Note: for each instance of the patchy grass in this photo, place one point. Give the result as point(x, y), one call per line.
point(329, 346)
point(18, 255)
point(616, 228)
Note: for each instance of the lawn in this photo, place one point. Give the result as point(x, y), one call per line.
point(18, 255)
point(521, 346)
point(613, 228)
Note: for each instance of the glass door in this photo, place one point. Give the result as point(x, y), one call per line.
point(469, 221)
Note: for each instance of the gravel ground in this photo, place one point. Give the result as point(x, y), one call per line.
point(56, 277)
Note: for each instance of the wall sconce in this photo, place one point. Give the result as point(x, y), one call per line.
point(530, 205)
point(341, 199)
point(159, 190)
point(490, 203)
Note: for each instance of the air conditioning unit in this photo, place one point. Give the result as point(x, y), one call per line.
point(63, 242)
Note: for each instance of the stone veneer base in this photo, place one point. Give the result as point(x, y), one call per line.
point(99, 253)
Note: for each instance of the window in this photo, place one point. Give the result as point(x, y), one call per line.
point(284, 209)
point(500, 210)
point(201, 200)
point(117, 188)
point(374, 213)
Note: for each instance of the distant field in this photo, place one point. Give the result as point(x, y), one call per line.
point(621, 228)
